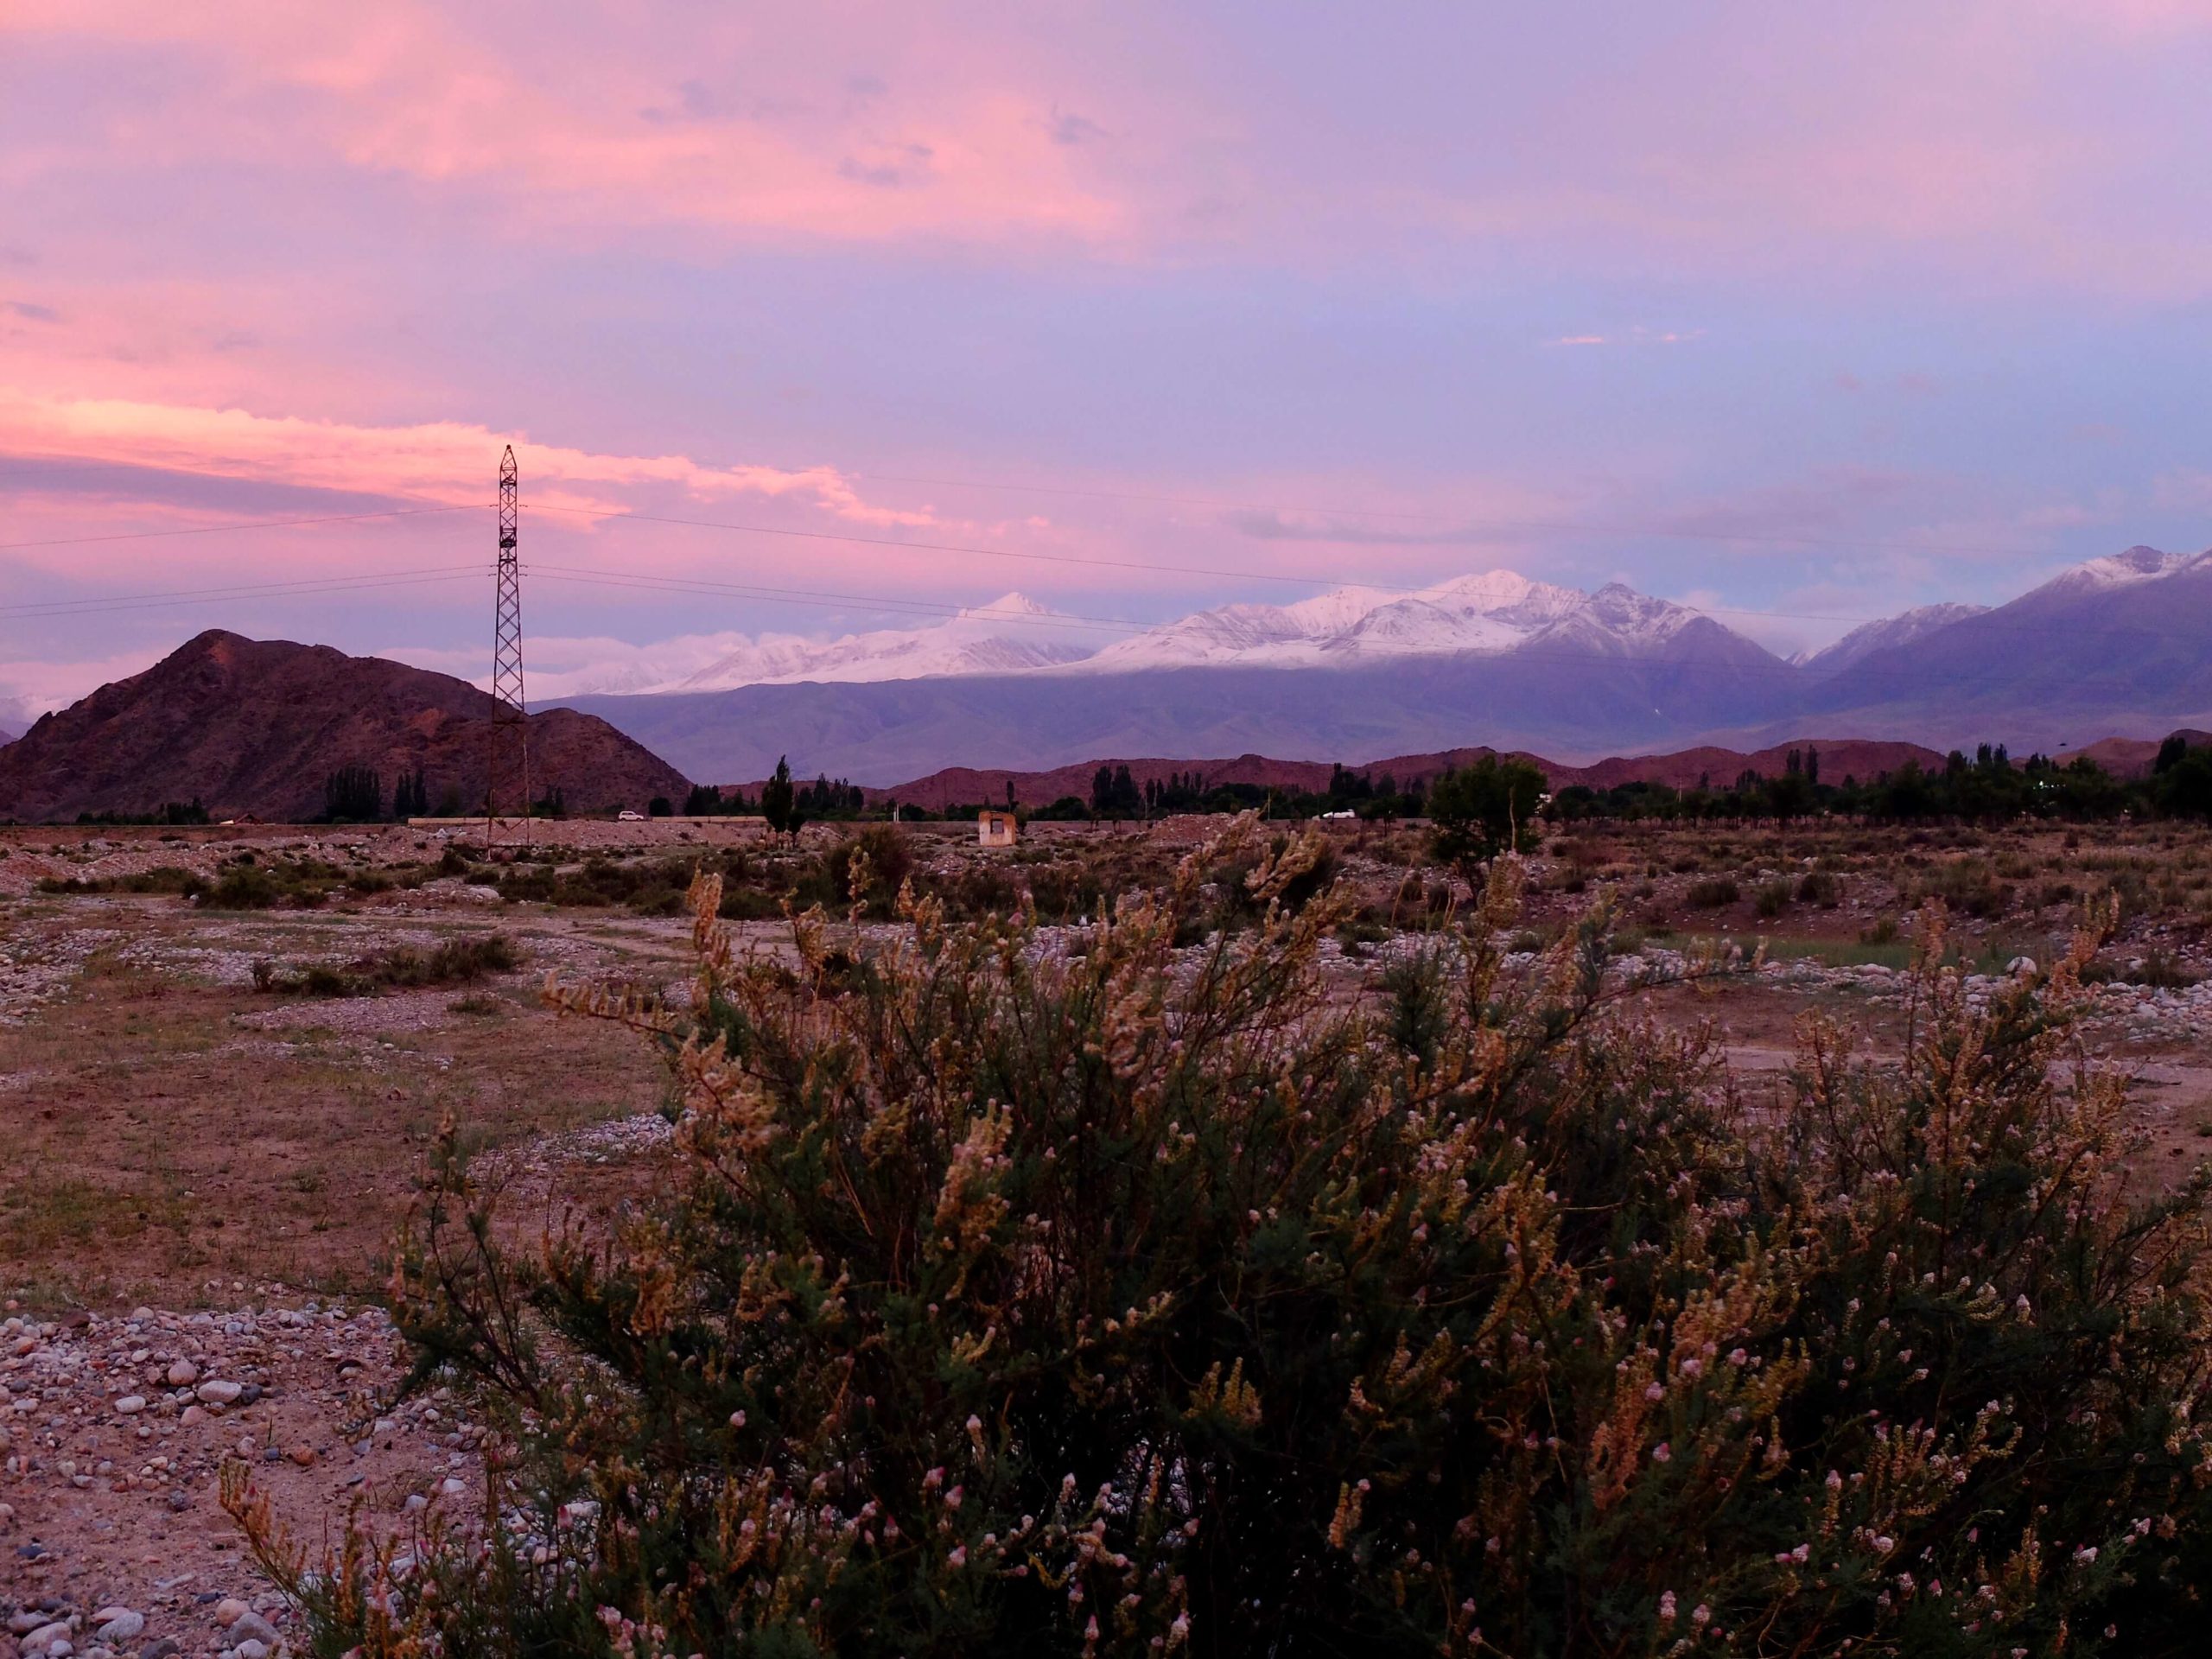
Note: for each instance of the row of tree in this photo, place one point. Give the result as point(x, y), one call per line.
point(1986, 787)
point(355, 795)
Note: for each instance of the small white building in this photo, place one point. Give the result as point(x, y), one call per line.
point(995, 828)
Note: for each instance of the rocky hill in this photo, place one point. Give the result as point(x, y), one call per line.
point(257, 727)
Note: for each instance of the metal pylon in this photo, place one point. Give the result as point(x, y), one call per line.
point(507, 779)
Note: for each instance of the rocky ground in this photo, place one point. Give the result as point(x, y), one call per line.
point(117, 1430)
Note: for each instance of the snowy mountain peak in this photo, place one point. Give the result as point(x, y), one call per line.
point(1007, 636)
point(1005, 606)
point(2138, 564)
point(1503, 594)
point(1490, 613)
point(1633, 616)
point(1883, 634)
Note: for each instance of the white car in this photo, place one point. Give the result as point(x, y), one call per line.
point(626, 815)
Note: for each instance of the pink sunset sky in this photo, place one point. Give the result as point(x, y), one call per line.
point(1806, 313)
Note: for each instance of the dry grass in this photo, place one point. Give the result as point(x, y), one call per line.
point(161, 1131)
point(157, 1144)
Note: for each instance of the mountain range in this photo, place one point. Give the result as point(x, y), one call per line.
point(2119, 646)
point(257, 727)
point(1494, 612)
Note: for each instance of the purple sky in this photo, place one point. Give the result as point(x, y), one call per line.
point(1808, 312)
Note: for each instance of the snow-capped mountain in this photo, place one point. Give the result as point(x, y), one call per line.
point(1243, 634)
point(1012, 633)
point(2116, 645)
point(2138, 565)
point(1494, 612)
point(1899, 630)
point(2120, 644)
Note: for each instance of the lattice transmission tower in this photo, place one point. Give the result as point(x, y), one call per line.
point(508, 783)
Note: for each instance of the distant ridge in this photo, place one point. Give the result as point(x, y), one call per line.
point(2132, 757)
point(1899, 630)
point(256, 726)
point(971, 785)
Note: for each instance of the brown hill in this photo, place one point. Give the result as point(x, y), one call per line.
point(251, 726)
point(2131, 757)
point(1849, 757)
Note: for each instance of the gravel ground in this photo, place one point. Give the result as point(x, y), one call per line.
point(113, 1432)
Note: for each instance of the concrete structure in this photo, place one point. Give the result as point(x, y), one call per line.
point(995, 828)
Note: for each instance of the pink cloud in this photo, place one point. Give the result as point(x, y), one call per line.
point(1756, 140)
point(566, 124)
point(443, 462)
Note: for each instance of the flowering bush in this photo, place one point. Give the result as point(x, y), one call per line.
point(1148, 1300)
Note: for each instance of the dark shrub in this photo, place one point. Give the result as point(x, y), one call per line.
point(1820, 887)
point(1966, 884)
point(1120, 1305)
point(292, 883)
point(163, 877)
point(1711, 893)
point(454, 962)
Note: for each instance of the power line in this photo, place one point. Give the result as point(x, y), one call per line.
point(1152, 566)
point(303, 588)
point(889, 605)
point(226, 528)
point(608, 514)
point(1772, 666)
point(1570, 526)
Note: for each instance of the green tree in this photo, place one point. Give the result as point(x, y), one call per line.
point(779, 801)
point(2184, 789)
point(1481, 810)
point(411, 795)
point(353, 795)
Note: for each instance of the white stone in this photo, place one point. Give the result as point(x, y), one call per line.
point(123, 1627)
point(216, 1392)
point(252, 1627)
point(132, 1404)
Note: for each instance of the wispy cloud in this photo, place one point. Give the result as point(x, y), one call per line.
point(1638, 336)
point(443, 462)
